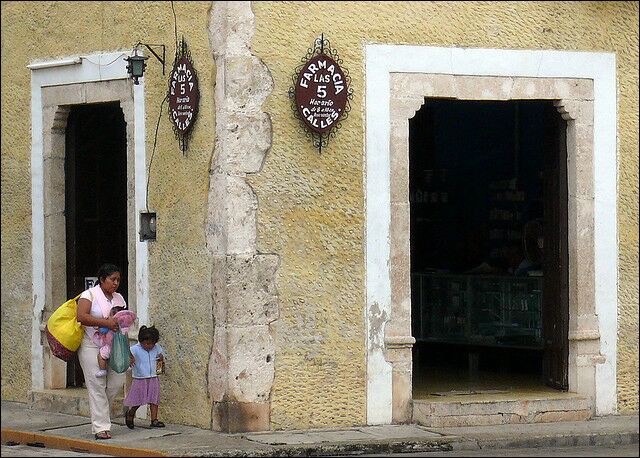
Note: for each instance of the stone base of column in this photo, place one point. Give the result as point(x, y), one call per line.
point(240, 417)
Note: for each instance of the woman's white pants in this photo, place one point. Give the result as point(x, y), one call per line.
point(103, 390)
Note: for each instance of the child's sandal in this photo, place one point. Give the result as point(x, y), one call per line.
point(157, 424)
point(128, 419)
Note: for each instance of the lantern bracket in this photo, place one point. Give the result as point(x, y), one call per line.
point(162, 59)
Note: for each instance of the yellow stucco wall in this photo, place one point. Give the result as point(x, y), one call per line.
point(16, 218)
point(311, 206)
point(180, 272)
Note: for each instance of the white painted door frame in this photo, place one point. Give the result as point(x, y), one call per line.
point(381, 61)
point(73, 70)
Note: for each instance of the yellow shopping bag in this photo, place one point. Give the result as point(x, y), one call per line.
point(64, 331)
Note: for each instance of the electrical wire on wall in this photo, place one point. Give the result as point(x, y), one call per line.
point(175, 26)
point(101, 64)
point(155, 137)
point(155, 140)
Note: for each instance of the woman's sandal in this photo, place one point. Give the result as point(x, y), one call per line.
point(128, 418)
point(103, 435)
point(157, 424)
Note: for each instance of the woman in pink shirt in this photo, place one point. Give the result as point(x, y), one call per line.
point(94, 310)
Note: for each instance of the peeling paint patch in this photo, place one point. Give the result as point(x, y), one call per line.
point(377, 319)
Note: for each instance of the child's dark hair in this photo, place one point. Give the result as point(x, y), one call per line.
point(148, 333)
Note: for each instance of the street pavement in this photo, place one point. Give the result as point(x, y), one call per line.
point(591, 451)
point(22, 426)
point(26, 450)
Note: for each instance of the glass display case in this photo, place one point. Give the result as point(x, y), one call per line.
point(487, 310)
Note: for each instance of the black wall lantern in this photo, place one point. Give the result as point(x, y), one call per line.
point(136, 64)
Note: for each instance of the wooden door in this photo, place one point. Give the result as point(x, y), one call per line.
point(95, 199)
point(555, 308)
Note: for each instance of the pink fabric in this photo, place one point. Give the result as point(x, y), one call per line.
point(103, 341)
point(102, 301)
point(105, 351)
point(125, 319)
point(143, 391)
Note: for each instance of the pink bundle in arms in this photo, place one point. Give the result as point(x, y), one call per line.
point(125, 319)
point(120, 353)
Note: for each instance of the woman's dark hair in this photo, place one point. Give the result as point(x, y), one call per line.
point(105, 270)
point(148, 333)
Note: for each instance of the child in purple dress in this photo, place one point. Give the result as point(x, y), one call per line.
point(145, 388)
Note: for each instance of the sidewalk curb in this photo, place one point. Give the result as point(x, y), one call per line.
point(299, 450)
point(556, 440)
point(352, 448)
point(445, 443)
point(74, 445)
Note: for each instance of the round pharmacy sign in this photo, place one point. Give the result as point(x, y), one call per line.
point(321, 93)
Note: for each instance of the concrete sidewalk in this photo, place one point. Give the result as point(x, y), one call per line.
point(22, 425)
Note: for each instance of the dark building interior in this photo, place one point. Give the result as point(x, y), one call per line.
point(477, 193)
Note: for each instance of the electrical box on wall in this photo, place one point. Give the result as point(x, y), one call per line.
point(147, 226)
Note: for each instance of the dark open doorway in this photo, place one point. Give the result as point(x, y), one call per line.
point(489, 271)
point(96, 199)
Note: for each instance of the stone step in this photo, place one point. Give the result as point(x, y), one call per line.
point(484, 411)
point(71, 401)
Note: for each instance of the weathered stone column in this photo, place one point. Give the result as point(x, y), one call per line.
point(55, 123)
point(584, 334)
point(398, 339)
point(574, 100)
point(245, 303)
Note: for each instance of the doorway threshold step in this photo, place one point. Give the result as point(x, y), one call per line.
point(71, 401)
point(483, 410)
